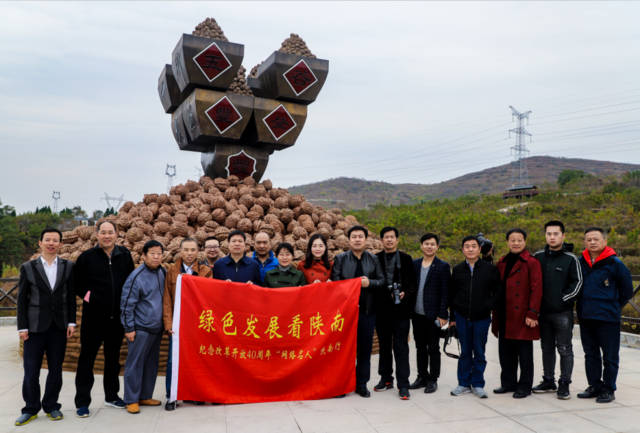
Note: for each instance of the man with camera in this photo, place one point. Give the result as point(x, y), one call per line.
point(394, 309)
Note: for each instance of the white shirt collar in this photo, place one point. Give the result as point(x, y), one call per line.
point(45, 263)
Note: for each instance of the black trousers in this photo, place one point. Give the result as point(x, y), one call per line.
point(53, 342)
point(393, 336)
point(427, 336)
point(513, 353)
point(556, 331)
point(93, 333)
point(366, 325)
point(601, 344)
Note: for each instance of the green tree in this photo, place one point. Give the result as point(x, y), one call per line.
point(567, 176)
point(30, 225)
point(78, 212)
point(7, 210)
point(11, 245)
point(66, 213)
point(632, 178)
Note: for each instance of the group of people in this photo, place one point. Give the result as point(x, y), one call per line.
point(522, 298)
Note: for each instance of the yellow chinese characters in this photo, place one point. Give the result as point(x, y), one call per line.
point(206, 321)
point(315, 323)
point(272, 329)
point(338, 323)
point(227, 322)
point(251, 327)
point(294, 326)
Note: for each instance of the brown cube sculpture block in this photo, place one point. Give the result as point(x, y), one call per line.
point(206, 63)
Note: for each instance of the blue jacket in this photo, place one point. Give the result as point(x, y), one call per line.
point(245, 270)
point(607, 287)
point(270, 263)
point(141, 302)
point(435, 296)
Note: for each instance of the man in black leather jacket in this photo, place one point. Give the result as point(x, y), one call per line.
point(394, 312)
point(358, 263)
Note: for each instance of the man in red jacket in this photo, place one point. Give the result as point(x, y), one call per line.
point(516, 315)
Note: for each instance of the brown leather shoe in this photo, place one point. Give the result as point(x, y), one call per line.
point(133, 408)
point(150, 402)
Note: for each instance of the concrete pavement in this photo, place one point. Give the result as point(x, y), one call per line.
point(383, 413)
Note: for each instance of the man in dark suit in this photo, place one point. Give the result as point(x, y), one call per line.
point(430, 313)
point(46, 318)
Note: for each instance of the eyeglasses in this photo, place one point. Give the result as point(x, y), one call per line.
point(211, 248)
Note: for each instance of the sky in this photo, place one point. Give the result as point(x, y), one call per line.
point(417, 92)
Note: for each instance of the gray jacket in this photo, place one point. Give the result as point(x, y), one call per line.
point(141, 302)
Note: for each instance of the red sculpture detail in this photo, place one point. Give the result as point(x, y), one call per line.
point(241, 165)
point(279, 122)
point(300, 77)
point(223, 114)
point(212, 62)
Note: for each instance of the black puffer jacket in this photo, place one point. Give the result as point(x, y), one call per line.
point(104, 276)
point(474, 297)
point(344, 268)
point(561, 279)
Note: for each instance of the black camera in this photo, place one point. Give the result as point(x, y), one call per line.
point(485, 244)
point(395, 290)
point(486, 248)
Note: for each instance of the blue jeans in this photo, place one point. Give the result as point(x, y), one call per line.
point(473, 339)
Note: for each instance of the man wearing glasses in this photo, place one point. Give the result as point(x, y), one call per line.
point(211, 251)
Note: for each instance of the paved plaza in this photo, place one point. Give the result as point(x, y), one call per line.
point(384, 412)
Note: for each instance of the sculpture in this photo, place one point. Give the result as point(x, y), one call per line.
point(235, 122)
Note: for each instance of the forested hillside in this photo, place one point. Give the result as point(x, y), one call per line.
point(350, 193)
point(580, 202)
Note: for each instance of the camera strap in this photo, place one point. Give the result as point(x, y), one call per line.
point(451, 334)
point(396, 271)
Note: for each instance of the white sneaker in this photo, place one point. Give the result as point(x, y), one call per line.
point(479, 392)
point(459, 390)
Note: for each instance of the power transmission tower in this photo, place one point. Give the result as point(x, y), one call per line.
point(55, 196)
point(110, 200)
point(170, 171)
point(520, 175)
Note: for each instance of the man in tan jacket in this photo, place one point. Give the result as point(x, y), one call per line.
point(186, 264)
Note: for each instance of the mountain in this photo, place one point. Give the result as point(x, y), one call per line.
point(352, 193)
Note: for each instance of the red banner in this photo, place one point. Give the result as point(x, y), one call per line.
point(241, 343)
